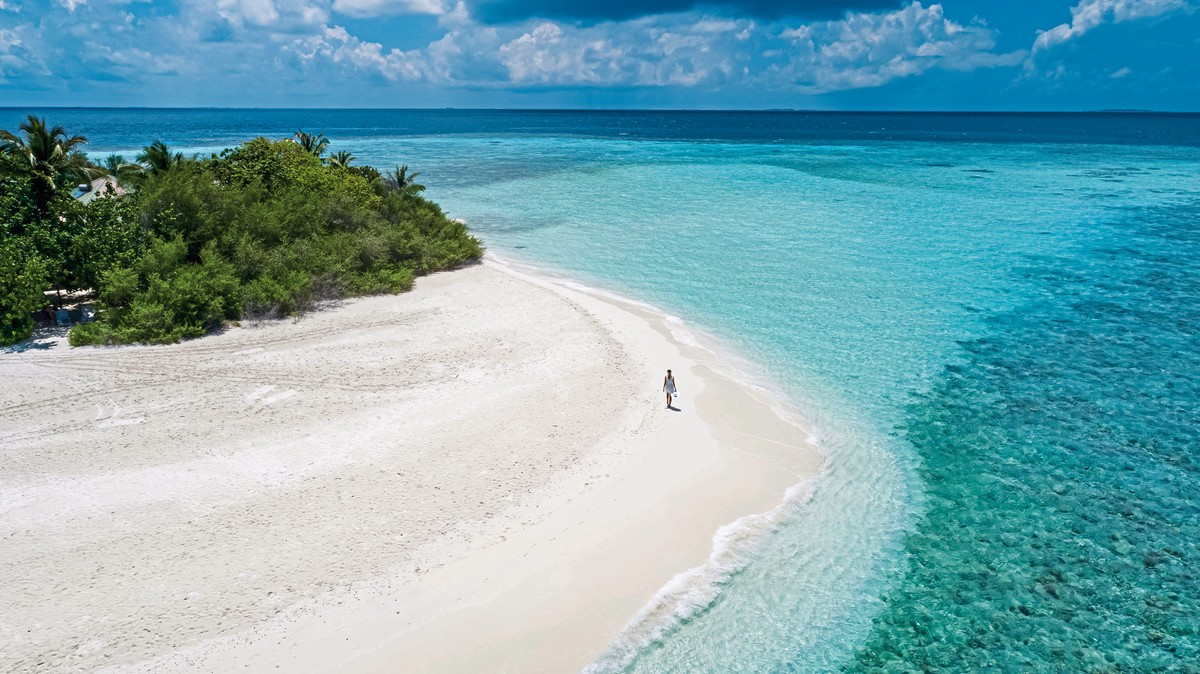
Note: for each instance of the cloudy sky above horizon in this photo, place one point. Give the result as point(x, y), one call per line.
point(820, 54)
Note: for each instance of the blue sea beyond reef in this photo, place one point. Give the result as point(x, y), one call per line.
point(992, 322)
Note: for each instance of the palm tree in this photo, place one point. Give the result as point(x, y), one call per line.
point(341, 160)
point(312, 144)
point(402, 181)
point(114, 162)
point(154, 159)
point(157, 158)
point(51, 157)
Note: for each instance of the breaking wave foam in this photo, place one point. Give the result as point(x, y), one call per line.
point(692, 591)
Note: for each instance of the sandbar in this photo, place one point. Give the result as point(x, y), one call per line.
point(478, 475)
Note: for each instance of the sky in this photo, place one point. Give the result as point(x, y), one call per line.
point(716, 54)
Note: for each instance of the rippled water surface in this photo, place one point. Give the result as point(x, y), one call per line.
point(991, 321)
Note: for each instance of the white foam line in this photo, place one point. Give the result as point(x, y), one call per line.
point(727, 360)
point(679, 329)
point(566, 282)
point(695, 589)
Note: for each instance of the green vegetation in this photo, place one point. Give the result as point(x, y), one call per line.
point(314, 145)
point(48, 157)
point(262, 230)
point(22, 278)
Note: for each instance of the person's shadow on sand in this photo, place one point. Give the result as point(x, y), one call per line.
point(673, 408)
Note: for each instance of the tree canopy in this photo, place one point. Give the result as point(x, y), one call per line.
point(264, 229)
point(48, 156)
point(342, 159)
point(312, 144)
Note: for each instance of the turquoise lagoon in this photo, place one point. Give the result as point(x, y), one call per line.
point(998, 344)
point(991, 322)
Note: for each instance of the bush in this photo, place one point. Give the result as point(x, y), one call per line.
point(280, 294)
point(163, 298)
point(265, 229)
point(22, 282)
point(90, 334)
point(107, 234)
point(381, 281)
point(283, 166)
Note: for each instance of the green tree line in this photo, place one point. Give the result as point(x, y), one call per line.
point(265, 229)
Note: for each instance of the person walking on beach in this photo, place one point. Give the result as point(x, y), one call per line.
point(669, 387)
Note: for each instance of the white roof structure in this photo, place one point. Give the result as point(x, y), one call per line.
point(99, 188)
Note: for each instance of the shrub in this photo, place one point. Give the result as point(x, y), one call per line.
point(90, 334)
point(280, 294)
point(22, 281)
point(163, 298)
point(382, 280)
point(264, 229)
point(107, 235)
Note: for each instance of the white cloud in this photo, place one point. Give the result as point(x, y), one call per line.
point(257, 12)
point(656, 51)
point(1120, 73)
point(277, 15)
point(135, 62)
point(715, 26)
point(869, 50)
point(861, 50)
point(338, 46)
point(10, 44)
point(548, 54)
point(466, 54)
point(6, 6)
point(295, 40)
point(456, 17)
point(1089, 14)
point(15, 54)
point(72, 4)
point(371, 8)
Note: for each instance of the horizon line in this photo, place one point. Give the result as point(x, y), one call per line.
point(1109, 111)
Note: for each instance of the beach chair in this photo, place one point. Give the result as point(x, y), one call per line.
point(62, 317)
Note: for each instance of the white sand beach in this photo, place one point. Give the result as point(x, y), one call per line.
point(478, 475)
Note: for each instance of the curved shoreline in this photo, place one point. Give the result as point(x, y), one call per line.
point(733, 471)
point(754, 435)
point(551, 580)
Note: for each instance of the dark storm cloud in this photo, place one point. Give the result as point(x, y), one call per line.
point(500, 11)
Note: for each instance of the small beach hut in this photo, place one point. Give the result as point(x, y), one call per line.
point(100, 187)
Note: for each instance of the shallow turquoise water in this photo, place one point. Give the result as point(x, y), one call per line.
point(997, 343)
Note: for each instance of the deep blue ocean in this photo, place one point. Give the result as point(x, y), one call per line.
point(991, 320)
